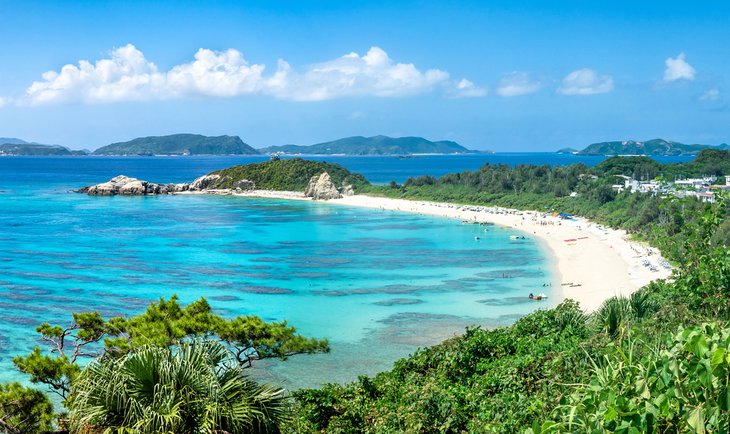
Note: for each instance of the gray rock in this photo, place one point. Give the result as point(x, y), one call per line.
point(205, 182)
point(178, 187)
point(245, 184)
point(322, 188)
point(347, 190)
point(134, 188)
point(125, 186)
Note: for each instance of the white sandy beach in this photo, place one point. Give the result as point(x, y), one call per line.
point(593, 263)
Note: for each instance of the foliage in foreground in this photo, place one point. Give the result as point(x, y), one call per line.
point(163, 324)
point(683, 388)
point(194, 387)
point(24, 410)
point(483, 381)
point(656, 362)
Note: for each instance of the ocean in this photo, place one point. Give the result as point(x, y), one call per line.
point(378, 284)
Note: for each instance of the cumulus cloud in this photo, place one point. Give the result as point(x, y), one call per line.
point(466, 89)
point(516, 84)
point(678, 69)
point(128, 76)
point(373, 74)
point(585, 82)
point(711, 95)
point(3, 102)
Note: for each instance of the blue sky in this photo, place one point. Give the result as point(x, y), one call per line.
point(490, 75)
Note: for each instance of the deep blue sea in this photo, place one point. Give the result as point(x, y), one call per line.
point(378, 284)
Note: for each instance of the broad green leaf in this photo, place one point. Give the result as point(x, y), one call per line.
point(696, 420)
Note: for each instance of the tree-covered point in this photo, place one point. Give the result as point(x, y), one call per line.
point(288, 174)
point(709, 162)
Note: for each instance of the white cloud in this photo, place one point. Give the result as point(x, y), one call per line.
point(585, 82)
point(128, 76)
point(517, 83)
point(678, 69)
point(466, 89)
point(374, 74)
point(3, 102)
point(711, 95)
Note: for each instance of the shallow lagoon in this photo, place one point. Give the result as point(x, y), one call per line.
point(377, 283)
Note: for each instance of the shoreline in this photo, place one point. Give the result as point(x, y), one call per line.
point(592, 263)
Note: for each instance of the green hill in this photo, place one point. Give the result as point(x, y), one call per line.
point(291, 174)
point(377, 145)
point(35, 149)
point(13, 141)
point(179, 144)
point(650, 147)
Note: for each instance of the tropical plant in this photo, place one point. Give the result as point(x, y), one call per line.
point(613, 316)
point(684, 388)
point(192, 387)
point(617, 313)
point(24, 410)
point(163, 324)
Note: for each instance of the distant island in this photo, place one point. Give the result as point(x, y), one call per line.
point(650, 147)
point(17, 147)
point(377, 145)
point(196, 144)
point(179, 144)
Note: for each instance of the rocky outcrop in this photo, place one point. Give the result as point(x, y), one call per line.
point(205, 182)
point(245, 184)
point(347, 190)
point(322, 188)
point(126, 186)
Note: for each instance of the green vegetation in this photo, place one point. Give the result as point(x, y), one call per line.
point(117, 342)
point(24, 410)
point(657, 219)
point(650, 147)
point(194, 387)
point(34, 149)
point(179, 144)
point(288, 174)
point(657, 362)
point(377, 145)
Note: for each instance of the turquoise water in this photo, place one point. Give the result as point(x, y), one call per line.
point(377, 283)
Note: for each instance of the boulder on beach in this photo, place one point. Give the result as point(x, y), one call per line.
point(321, 187)
point(205, 182)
